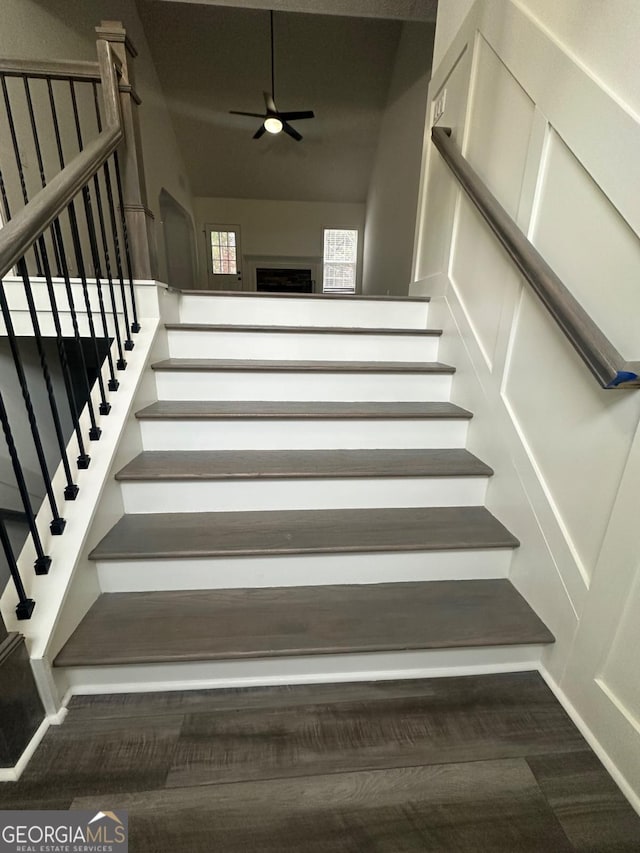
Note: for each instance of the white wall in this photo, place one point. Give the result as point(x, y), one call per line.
point(277, 228)
point(451, 14)
point(48, 29)
point(603, 36)
point(559, 150)
point(393, 189)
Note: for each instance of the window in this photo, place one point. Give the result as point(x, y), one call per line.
point(224, 259)
point(339, 260)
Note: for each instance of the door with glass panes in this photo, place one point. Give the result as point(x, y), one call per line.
point(224, 257)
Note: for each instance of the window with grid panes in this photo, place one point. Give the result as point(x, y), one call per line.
point(339, 260)
point(223, 253)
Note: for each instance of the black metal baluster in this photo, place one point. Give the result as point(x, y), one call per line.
point(23, 184)
point(43, 562)
point(135, 326)
point(121, 363)
point(93, 244)
point(36, 141)
point(56, 248)
point(95, 431)
point(128, 344)
point(58, 523)
point(25, 605)
point(116, 242)
point(71, 489)
point(83, 458)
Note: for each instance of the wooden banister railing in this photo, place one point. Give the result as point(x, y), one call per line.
point(602, 358)
point(51, 69)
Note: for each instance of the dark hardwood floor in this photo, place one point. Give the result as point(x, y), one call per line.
point(483, 764)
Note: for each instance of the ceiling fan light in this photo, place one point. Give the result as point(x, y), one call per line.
point(272, 124)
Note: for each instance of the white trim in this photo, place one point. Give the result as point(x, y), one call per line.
point(12, 774)
point(592, 740)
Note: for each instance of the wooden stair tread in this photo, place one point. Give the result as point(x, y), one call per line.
point(312, 464)
point(350, 296)
point(158, 627)
point(331, 330)
point(290, 410)
point(299, 366)
point(211, 534)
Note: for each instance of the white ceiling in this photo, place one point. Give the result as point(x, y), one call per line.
point(401, 10)
point(214, 58)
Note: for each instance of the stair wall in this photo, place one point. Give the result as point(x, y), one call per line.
point(560, 158)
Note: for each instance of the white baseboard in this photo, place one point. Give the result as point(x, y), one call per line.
point(592, 740)
point(12, 774)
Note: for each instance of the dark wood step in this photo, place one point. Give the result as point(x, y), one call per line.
point(269, 365)
point(298, 410)
point(218, 534)
point(158, 627)
point(349, 296)
point(293, 464)
point(330, 330)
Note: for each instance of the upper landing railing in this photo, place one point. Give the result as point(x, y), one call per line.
point(596, 350)
point(76, 233)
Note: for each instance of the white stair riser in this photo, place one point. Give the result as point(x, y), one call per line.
point(303, 346)
point(265, 385)
point(300, 669)
point(280, 311)
point(301, 570)
point(239, 495)
point(302, 434)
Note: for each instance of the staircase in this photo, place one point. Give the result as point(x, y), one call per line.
point(303, 508)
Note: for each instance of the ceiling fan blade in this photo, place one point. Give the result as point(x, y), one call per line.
point(291, 131)
point(260, 132)
point(297, 116)
point(269, 103)
point(239, 113)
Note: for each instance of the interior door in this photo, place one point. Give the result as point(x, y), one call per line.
point(224, 257)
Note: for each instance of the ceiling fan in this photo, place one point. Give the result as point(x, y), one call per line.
point(275, 121)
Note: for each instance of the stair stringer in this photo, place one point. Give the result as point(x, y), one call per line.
point(66, 593)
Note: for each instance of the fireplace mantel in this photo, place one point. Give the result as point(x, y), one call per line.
point(311, 262)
